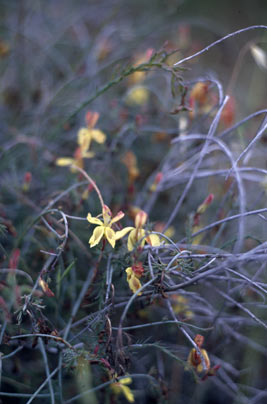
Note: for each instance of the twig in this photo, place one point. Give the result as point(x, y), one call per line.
point(240, 31)
point(35, 394)
point(47, 370)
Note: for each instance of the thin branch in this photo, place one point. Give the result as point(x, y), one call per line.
point(240, 31)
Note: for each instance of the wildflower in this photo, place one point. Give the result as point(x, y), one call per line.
point(84, 139)
point(138, 234)
point(133, 274)
point(80, 153)
point(138, 269)
point(120, 387)
point(194, 359)
point(133, 281)
point(138, 95)
point(90, 132)
point(104, 228)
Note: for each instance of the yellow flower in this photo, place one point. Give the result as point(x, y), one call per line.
point(93, 134)
point(79, 155)
point(86, 135)
point(84, 139)
point(103, 228)
point(194, 359)
point(138, 95)
point(137, 233)
point(120, 387)
point(133, 281)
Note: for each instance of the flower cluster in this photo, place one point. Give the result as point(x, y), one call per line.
point(136, 238)
point(138, 235)
point(120, 387)
point(85, 137)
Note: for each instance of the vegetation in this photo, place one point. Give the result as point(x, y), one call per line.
point(132, 214)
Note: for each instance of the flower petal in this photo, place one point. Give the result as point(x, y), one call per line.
point(134, 284)
point(116, 388)
point(96, 236)
point(123, 232)
point(134, 237)
point(153, 239)
point(64, 161)
point(140, 219)
point(129, 272)
point(91, 118)
point(84, 139)
point(126, 380)
point(106, 212)
point(98, 135)
point(118, 217)
point(132, 240)
point(88, 155)
point(128, 393)
point(94, 220)
point(199, 368)
point(138, 96)
point(111, 236)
